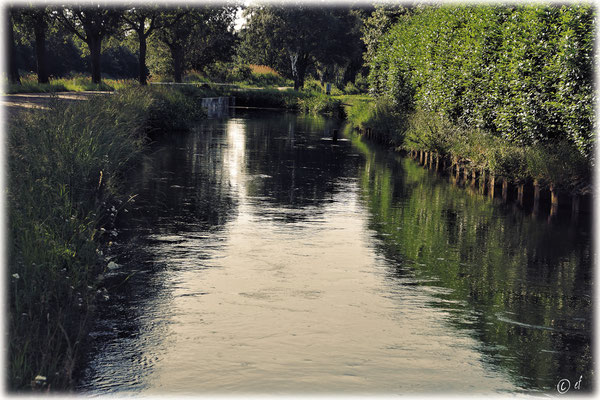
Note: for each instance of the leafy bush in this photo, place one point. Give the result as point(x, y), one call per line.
point(64, 173)
point(351, 89)
point(321, 104)
point(380, 115)
point(521, 72)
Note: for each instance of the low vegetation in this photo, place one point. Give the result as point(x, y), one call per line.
point(78, 83)
point(64, 189)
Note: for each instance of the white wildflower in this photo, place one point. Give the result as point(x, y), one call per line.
point(16, 276)
point(112, 265)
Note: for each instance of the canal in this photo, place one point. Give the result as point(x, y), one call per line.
point(261, 257)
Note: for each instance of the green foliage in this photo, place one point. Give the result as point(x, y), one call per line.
point(294, 38)
point(321, 104)
point(76, 83)
point(268, 98)
point(520, 72)
point(64, 169)
point(387, 125)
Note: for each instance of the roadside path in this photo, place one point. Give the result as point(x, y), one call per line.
point(14, 103)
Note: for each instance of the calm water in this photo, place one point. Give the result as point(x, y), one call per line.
point(259, 256)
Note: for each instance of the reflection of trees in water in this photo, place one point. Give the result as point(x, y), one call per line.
point(293, 164)
point(520, 286)
point(182, 188)
point(185, 184)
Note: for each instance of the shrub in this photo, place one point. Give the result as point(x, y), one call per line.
point(321, 104)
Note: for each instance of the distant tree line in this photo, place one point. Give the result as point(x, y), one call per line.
point(115, 40)
point(524, 73)
point(295, 39)
point(301, 40)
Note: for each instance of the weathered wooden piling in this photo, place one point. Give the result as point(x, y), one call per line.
point(504, 190)
point(420, 156)
point(553, 200)
point(520, 190)
point(536, 197)
point(437, 161)
point(574, 206)
point(482, 181)
point(492, 186)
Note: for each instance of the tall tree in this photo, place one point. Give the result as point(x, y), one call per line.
point(13, 72)
point(35, 20)
point(196, 36)
point(298, 36)
point(175, 33)
point(143, 21)
point(92, 25)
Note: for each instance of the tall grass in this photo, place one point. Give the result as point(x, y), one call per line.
point(78, 83)
point(317, 103)
point(64, 188)
point(378, 115)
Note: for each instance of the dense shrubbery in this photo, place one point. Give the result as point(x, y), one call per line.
point(317, 103)
point(494, 83)
point(64, 168)
point(379, 115)
point(240, 74)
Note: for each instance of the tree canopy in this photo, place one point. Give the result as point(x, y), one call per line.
point(295, 38)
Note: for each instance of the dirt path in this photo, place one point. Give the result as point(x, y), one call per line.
point(15, 103)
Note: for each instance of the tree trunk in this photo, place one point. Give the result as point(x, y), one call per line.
point(39, 30)
point(177, 56)
point(300, 72)
point(142, 59)
point(95, 45)
point(13, 71)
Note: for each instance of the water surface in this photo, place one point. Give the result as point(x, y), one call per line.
point(260, 256)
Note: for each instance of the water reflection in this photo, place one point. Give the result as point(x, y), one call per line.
point(523, 288)
point(263, 257)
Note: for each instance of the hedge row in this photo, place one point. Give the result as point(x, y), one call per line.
point(522, 73)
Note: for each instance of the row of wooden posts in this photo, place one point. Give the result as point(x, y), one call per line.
point(485, 181)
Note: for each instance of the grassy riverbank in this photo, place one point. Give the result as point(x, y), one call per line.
point(64, 190)
point(556, 164)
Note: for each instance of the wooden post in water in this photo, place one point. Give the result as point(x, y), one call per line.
point(553, 200)
point(426, 156)
point(574, 207)
point(430, 160)
point(473, 177)
point(437, 161)
point(520, 190)
point(420, 156)
point(492, 186)
point(504, 190)
point(466, 174)
point(482, 181)
point(536, 197)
